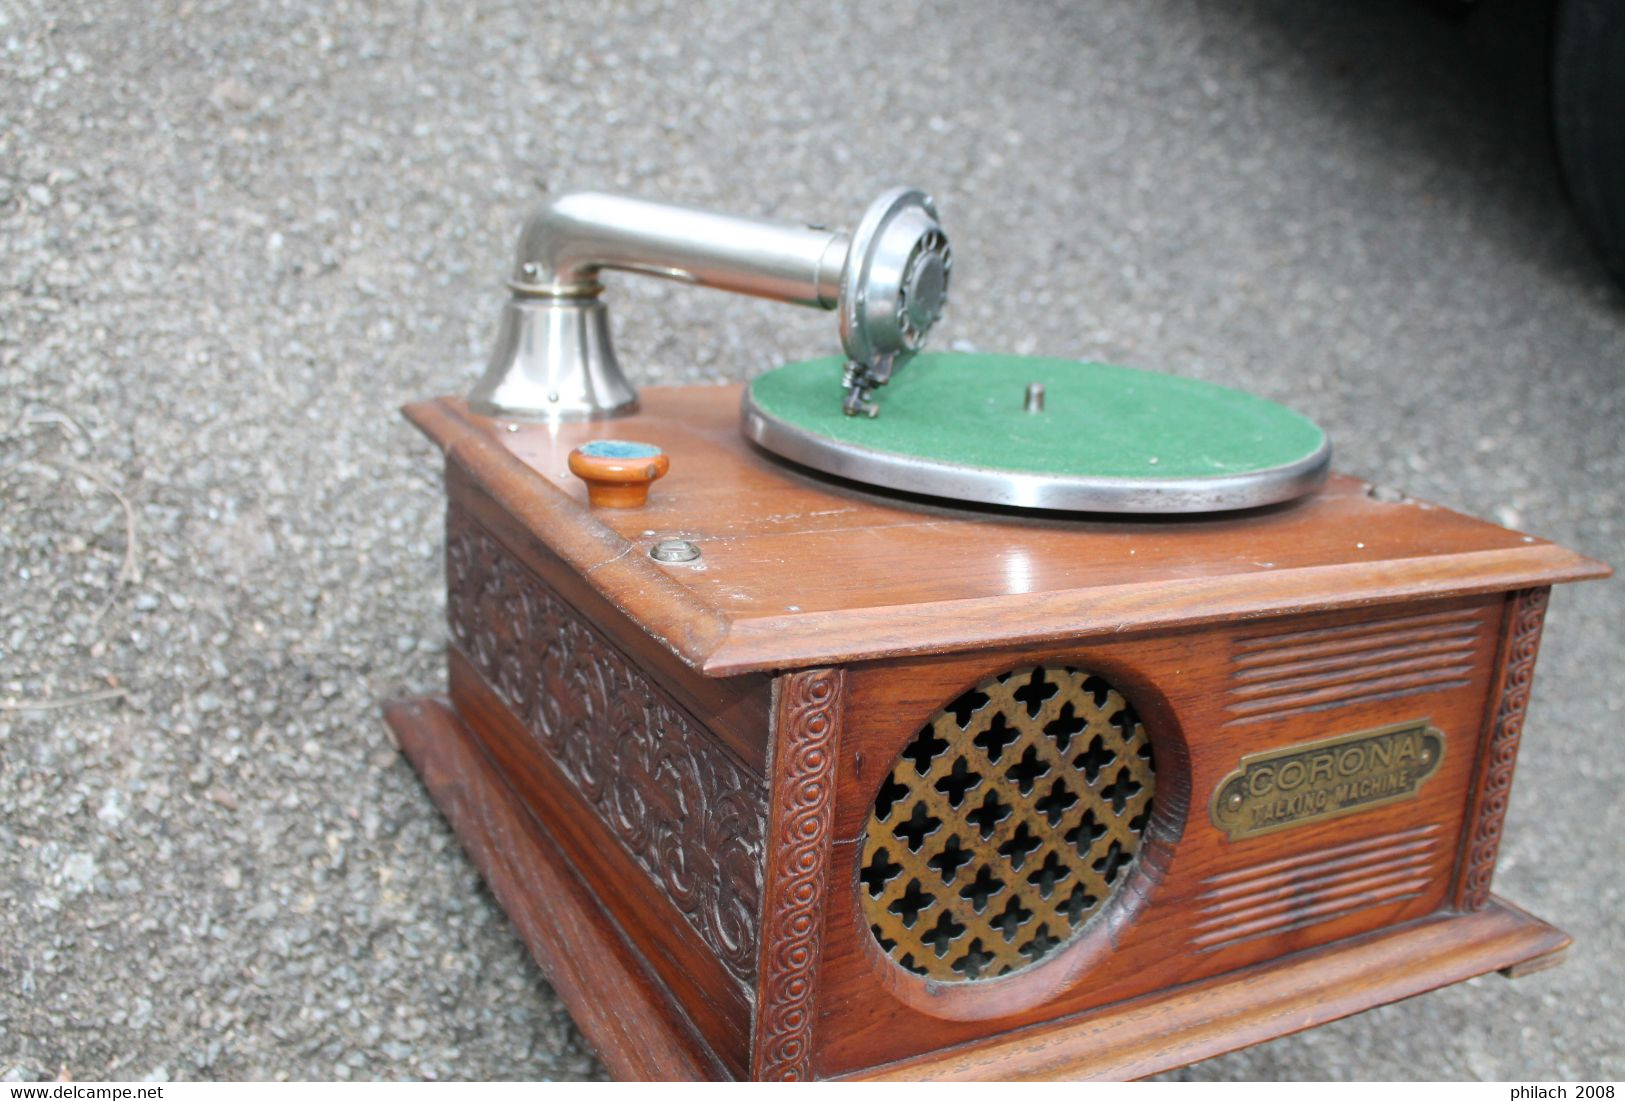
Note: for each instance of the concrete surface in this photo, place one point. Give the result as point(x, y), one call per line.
point(235, 237)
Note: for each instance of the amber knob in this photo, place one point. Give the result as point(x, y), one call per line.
point(618, 472)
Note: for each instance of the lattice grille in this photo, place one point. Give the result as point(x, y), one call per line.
point(1010, 819)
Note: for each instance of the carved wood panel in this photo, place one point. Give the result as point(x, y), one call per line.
point(1293, 889)
point(1528, 614)
point(689, 814)
point(806, 739)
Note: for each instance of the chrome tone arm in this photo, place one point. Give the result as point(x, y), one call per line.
point(567, 242)
point(554, 359)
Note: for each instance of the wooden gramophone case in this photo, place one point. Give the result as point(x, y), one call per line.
point(877, 787)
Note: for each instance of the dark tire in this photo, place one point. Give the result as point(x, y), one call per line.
point(1588, 117)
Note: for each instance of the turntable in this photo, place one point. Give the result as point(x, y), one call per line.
point(948, 715)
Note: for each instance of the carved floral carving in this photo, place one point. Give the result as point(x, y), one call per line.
point(687, 812)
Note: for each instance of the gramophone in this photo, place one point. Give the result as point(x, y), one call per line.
point(931, 715)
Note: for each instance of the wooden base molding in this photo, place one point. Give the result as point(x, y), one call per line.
point(1190, 1023)
point(620, 1008)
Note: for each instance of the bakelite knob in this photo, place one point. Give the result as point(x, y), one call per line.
point(618, 472)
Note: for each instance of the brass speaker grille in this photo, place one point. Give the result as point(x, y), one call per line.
point(1005, 824)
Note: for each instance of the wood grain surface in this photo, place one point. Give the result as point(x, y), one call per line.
point(800, 570)
point(1162, 1032)
point(1196, 905)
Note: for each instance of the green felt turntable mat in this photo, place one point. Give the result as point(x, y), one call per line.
point(1099, 421)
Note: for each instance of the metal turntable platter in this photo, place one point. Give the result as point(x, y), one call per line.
point(1043, 433)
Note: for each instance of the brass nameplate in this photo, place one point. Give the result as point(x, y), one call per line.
point(1282, 788)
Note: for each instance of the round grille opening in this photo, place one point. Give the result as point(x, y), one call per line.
point(1009, 820)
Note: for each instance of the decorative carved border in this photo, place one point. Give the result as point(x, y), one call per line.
point(806, 735)
point(686, 811)
point(1501, 753)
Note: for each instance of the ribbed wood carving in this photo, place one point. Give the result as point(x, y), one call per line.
point(1311, 887)
point(1011, 818)
point(687, 812)
point(1501, 754)
point(1276, 674)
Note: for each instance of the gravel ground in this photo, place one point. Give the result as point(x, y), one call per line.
point(234, 237)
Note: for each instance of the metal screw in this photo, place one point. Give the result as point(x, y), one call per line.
point(674, 550)
point(1035, 397)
